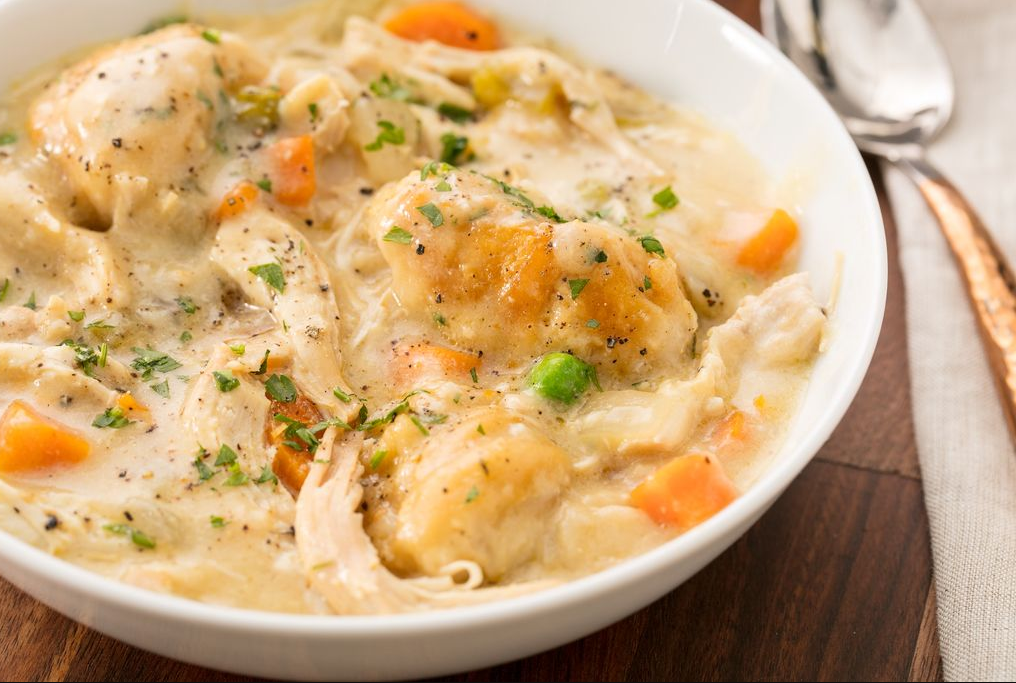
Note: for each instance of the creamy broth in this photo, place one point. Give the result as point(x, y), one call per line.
point(302, 315)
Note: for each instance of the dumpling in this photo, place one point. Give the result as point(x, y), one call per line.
point(136, 120)
point(477, 260)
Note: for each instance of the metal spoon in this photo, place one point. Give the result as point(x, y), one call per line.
point(880, 65)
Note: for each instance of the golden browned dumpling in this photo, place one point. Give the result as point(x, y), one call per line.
point(497, 273)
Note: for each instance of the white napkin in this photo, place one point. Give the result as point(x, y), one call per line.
point(967, 460)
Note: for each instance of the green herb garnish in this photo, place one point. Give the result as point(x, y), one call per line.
point(652, 245)
point(112, 418)
point(647, 284)
point(453, 147)
point(237, 477)
point(265, 184)
point(398, 235)
point(161, 388)
point(7, 139)
point(665, 199)
point(473, 376)
point(76, 316)
point(389, 88)
point(225, 381)
point(212, 36)
point(267, 476)
point(378, 458)
point(432, 214)
point(263, 368)
point(187, 304)
point(472, 495)
point(281, 389)
point(150, 361)
point(576, 287)
point(138, 538)
point(592, 323)
point(388, 133)
point(217, 522)
point(272, 275)
point(454, 112)
point(30, 304)
point(549, 212)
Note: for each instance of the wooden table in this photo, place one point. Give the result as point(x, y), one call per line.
point(834, 583)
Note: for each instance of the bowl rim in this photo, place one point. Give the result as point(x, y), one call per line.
point(769, 486)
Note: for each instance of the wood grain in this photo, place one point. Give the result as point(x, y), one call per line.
point(834, 583)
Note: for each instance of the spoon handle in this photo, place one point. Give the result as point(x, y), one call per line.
point(989, 279)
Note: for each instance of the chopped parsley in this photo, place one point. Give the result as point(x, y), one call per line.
point(472, 495)
point(576, 287)
point(267, 476)
point(226, 456)
point(138, 538)
point(652, 245)
point(298, 435)
point(390, 89)
point(212, 36)
point(76, 316)
point(225, 381)
point(435, 168)
point(204, 471)
point(238, 349)
point(85, 356)
point(112, 418)
point(454, 112)
point(217, 522)
point(281, 389)
point(398, 235)
point(647, 284)
point(186, 336)
point(453, 147)
point(443, 186)
point(549, 212)
point(161, 388)
point(313, 109)
point(272, 275)
point(481, 430)
point(341, 395)
point(440, 319)
point(187, 304)
point(265, 184)
point(263, 368)
point(592, 323)
point(237, 477)
point(100, 325)
point(378, 458)
point(3, 289)
point(432, 214)
point(150, 361)
point(665, 199)
point(600, 256)
point(7, 139)
point(388, 133)
point(473, 376)
point(31, 302)
point(520, 198)
point(205, 100)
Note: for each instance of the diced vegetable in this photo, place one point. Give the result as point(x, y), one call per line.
point(686, 491)
point(766, 250)
point(132, 408)
point(258, 106)
point(562, 377)
point(450, 23)
point(293, 178)
point(237, 200)
point(489, 88)
point(31, 442)
point(417, 362)
point(291, 464)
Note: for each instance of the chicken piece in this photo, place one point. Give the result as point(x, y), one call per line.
point(342, 562)
point(132, 121)
point(771, 331)
point(255, 247)
point(490, 274)
point(48, 250)
point(480, 490)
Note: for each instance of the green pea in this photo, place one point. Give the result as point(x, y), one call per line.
point(562, 377)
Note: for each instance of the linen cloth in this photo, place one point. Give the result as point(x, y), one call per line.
point(968, 462)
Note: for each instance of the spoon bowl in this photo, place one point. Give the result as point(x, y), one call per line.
point(881, 67)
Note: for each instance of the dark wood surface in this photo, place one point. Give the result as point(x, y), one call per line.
point(834, 583)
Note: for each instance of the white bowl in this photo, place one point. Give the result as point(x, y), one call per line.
point(689, 51)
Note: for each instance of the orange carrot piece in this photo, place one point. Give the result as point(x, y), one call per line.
point(290, 465)
point(237, 200)
point(767, 248)
point(451, 23)
point(686, 491)
point(132, 408)
point(415, 362)
point(293, 178)
point(31, 442)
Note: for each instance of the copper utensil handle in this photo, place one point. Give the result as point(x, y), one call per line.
point(989, 279)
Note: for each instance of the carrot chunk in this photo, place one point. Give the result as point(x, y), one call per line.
point(686, 491)
point(765, 251)
point(416, 362)
point(451, 23)
point(237, 200)
point(30, 442)
point(292, 457)
point(292, 175)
